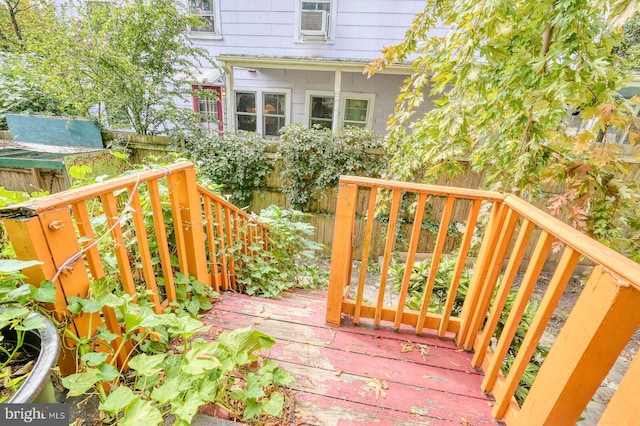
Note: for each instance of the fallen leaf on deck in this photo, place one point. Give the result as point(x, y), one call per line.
point(379, 336)
point(490, 403)
point(378, 386)
point(424, 350)
point(459, 350)
point(388, 375)
point(464, 422)
point(407, 347)
point(454, 363)
point(424, 376)
point(339, 373)
point(256, 323)
point(262, 310)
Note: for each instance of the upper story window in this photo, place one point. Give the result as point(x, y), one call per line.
point(209, 12)
point(265, 112)
point(356, 109)
point(315, 20)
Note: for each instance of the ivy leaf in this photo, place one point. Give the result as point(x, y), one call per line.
point(274, 404)
point(118, 399)
point(46, 293)
point(241, 343)
point(94, 358)
point(201, 358)
point(80, 383)
point(252, 409)
point(147, 365)
point(12, 266)
point(140, 412)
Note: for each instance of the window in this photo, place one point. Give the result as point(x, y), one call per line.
point(315, 20)
point(209, 12)
point(321, 112)
point(208, 101)
point(246, 117)
point(263, 112)
point(356, 109)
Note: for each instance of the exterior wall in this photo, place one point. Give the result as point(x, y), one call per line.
point(268, 28)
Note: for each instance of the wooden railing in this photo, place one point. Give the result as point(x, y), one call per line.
point(600, 325)
point(134, 229)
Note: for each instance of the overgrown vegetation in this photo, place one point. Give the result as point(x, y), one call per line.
point(504, 80)
point(629, 48)
point(314, 159)
point(238, 162)
point(289, 260)
point(441, 285)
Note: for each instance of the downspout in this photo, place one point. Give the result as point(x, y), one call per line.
point(337, 87)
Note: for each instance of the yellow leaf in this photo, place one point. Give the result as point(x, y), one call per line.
point(634, 138)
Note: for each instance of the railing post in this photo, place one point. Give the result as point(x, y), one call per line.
point(342, 251)
point(183, 186)
point(603, 320)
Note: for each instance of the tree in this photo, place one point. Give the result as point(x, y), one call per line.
point(120, 62)
point(504, 80)
point(629, 49)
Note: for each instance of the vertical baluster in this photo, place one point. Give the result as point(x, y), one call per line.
point(460, 264)
point(519, 305)
point(437, 253)
point(623, 407)
point(211, 242)
point(515, 260)
point(413, 246)
point(178, 229)
point(228, 221)
point(143, 245)
point(556, 287)
point(83, 222)
point(160, 231)
point(221, 238)
point(120, 249)
point(366, 248)
point(388, 249)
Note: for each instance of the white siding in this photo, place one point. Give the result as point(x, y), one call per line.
point(267, 28)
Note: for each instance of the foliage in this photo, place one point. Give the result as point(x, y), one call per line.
point(313, 159)
point(17, 299)
point(238, 162)
point(174, 372)
point(122, 64)
point(503, 80)
point(442, 282)
point(629, 48)
point(287, 261)
point(20, 89)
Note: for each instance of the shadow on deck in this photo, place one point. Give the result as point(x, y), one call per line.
point(358, 374)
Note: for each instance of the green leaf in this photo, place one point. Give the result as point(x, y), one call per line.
point(140, 412)
point(241, 343)
point(94, 358)
point(274, 404)
point(80, 383)
point(147, 365)
point(108, 371)
point(11, 266)
point(46, 293)
point(200, 358)
point(186, 326)
point(252, 410)
point(188, 407)
point(169, 390)
point(118, 399)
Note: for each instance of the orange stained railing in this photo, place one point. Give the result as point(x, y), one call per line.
point(506, 242)
point(137, 230)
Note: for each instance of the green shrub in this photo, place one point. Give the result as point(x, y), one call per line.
point(313, 159)
point(238, 162)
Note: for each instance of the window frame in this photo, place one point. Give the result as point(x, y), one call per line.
point(331, 30)
point(344, 96)
point(260, 115)
point(196, 105)
point(217, 26)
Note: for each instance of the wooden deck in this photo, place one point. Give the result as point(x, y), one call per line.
point(353, 375)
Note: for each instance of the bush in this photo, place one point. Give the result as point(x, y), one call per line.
point(313, 159)
point(238, 162)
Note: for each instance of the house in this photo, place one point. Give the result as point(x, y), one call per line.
point(285, 61)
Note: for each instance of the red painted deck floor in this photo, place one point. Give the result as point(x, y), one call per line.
point(359, 375)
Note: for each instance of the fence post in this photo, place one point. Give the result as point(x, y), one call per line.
point(623, 408)
point(603, 320)
point(183, 186)
point(342, 250)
